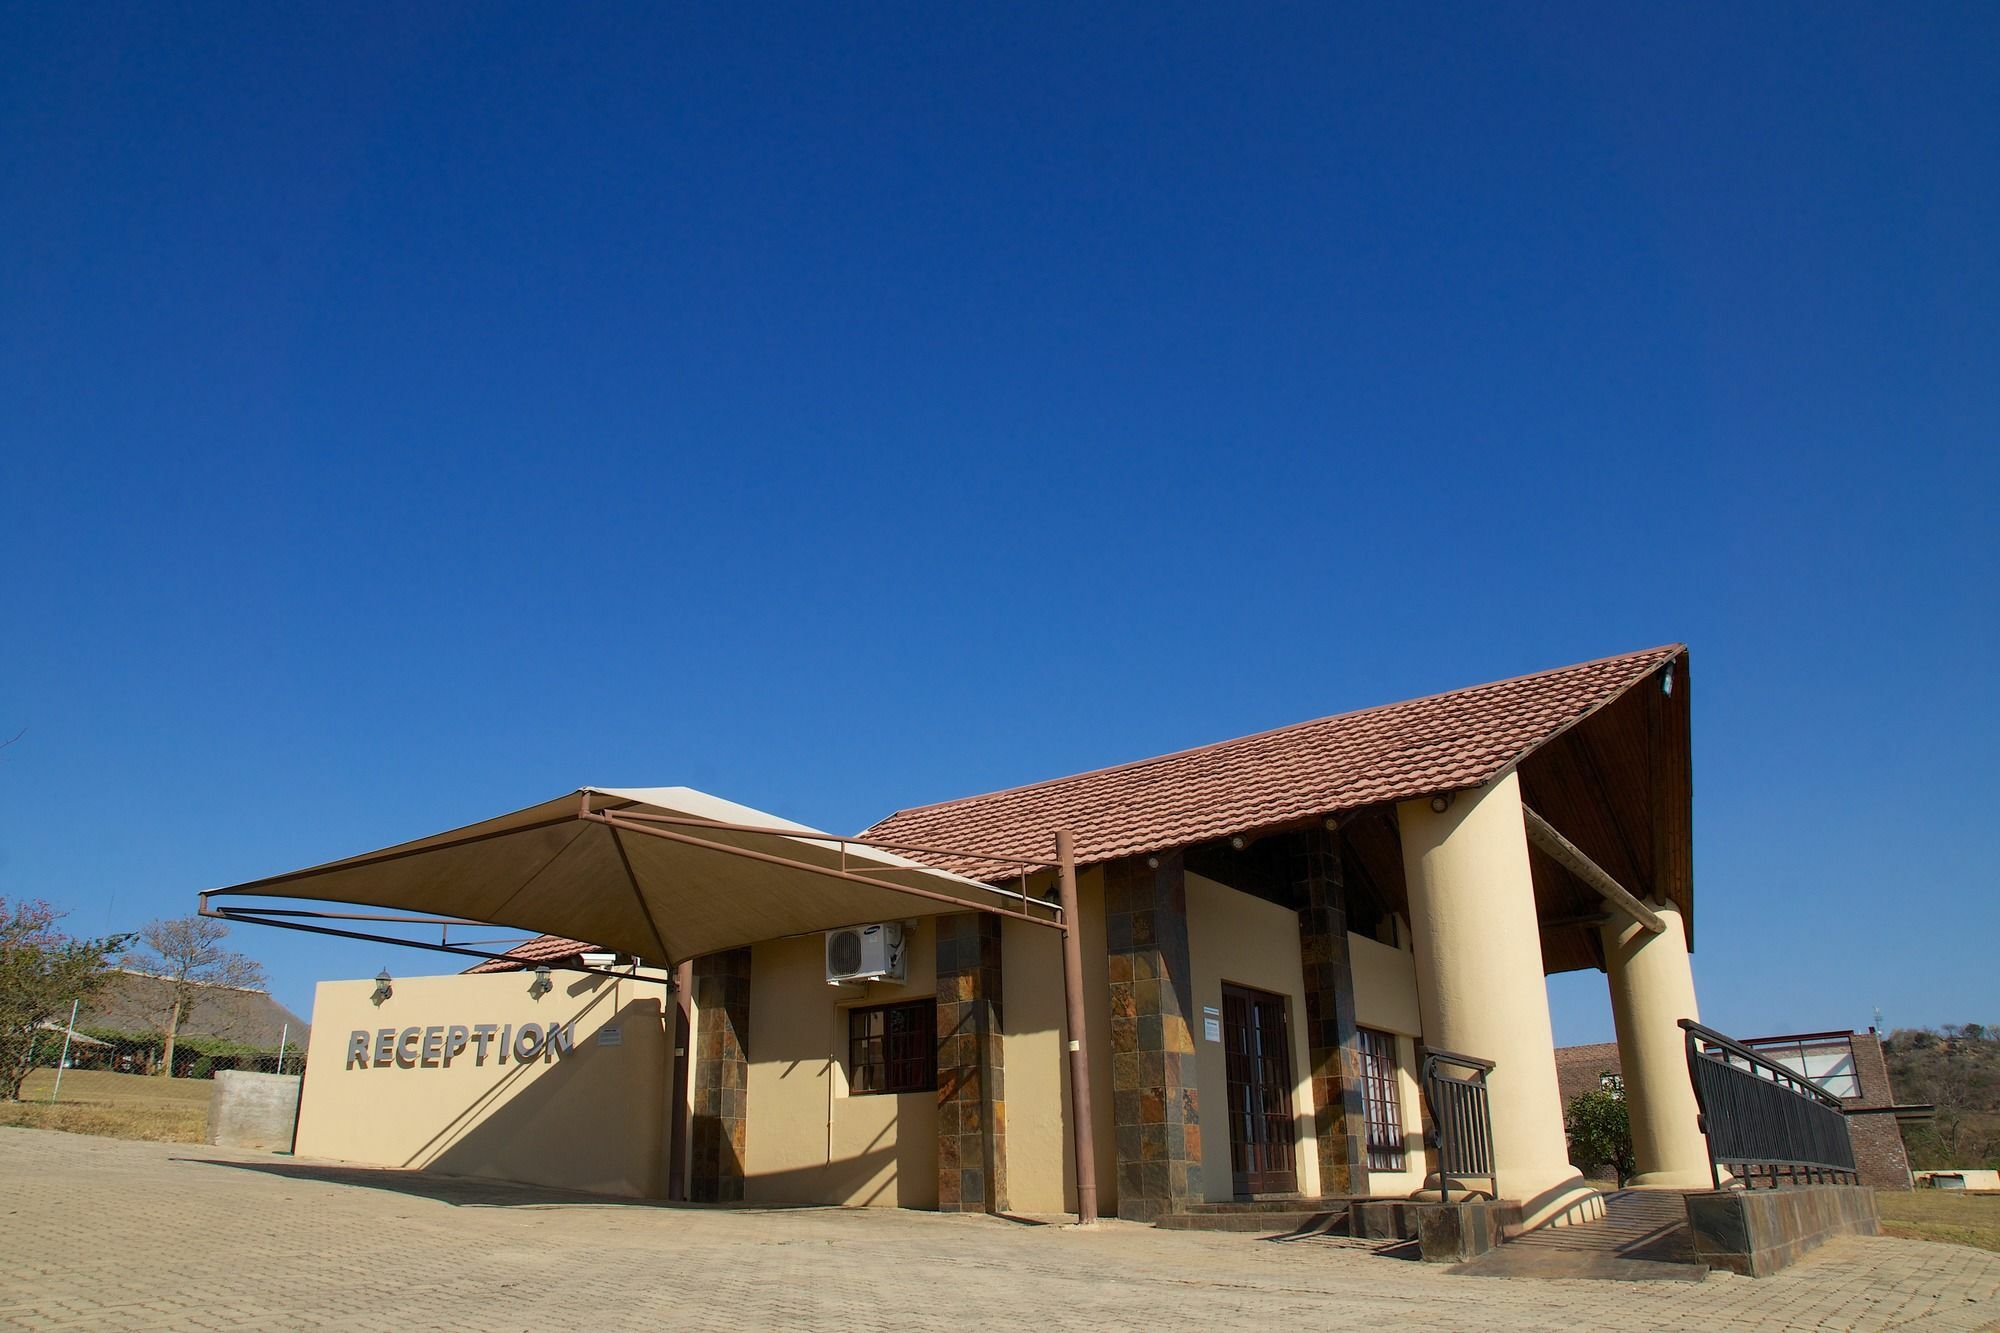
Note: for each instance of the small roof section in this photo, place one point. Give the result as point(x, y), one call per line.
point(541, 949)
point(1395, 752)
point(703, 876)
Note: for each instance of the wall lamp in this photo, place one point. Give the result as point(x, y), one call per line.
point(541, 985)
point(1667, 680)
point(1440, 804)
point(383, 990)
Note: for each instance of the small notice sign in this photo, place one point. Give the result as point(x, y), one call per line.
point(610, 1035)
point(1211, 1022)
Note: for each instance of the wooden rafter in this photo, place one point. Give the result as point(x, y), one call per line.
point(1566, 853)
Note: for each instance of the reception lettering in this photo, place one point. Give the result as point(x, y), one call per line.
point(437, 1047)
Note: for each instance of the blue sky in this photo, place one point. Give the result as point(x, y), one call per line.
point(410, 415)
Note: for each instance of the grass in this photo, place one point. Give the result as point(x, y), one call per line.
point(1947, 1215)
point(119, 1106)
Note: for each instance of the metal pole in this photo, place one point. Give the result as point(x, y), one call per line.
point(1079, 1062)
point(63, 1059)
point(283, 1033)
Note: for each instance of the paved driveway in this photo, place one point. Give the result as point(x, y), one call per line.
point(103, 1233)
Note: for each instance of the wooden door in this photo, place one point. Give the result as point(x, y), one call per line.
point(1258, 1052)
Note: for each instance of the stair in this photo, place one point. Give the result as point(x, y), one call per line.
point(1267, 1217)
point(1643, 1236)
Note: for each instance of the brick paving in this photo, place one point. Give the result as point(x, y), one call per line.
point(102, 1233)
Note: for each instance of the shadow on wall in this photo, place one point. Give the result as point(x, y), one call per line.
point(558, 1125)
point(589, 1119)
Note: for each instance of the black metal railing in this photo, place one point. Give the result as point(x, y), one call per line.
point(1763, 1119)
point(1461, 1119)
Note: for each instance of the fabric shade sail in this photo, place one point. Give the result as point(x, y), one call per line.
point(659, 881)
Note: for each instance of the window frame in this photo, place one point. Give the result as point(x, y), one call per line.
point(1382, 1099)
point(886, 1063)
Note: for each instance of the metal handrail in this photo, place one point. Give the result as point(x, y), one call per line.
point(1461, 1119)
point(1761, 1117)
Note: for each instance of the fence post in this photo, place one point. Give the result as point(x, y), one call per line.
point(284, 1033)
point(63, 1059)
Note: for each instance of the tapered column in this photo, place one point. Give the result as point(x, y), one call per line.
point(1152, 1046)
point(720, 1120)
point(1652, 989)
point(971, 1089)
point(1481, 986)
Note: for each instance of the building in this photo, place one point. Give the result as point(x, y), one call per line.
point(1847, 1064)
point(1268, 935)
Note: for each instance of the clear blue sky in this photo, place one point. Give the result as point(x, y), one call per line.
point(409, 414)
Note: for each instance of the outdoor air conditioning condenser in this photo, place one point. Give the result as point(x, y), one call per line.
point(865, 953)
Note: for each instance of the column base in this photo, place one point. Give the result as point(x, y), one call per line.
point(1673, 1180)
point(1563, 1204)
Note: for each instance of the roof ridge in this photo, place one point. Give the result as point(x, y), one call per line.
point(1665, 651)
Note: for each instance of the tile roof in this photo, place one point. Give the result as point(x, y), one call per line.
point(541, 949)
point(1395, 752)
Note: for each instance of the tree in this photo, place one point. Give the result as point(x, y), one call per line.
point(42, 973)
point(1600, 1133)
point(1957, 1070)
point(186, 956)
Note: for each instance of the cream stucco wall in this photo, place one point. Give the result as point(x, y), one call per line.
point(809, 1139)
point(1385, 998)
point(1234, 937)
point(593, 1119)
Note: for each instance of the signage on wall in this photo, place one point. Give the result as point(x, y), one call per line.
point(436, 1047)
point(1211, 1022)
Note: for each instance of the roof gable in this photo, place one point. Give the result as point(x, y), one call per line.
point(1393, 752)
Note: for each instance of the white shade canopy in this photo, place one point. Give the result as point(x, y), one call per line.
point(661, 873)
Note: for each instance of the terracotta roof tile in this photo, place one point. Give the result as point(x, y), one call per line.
point(541, 949)
point(1395, 752)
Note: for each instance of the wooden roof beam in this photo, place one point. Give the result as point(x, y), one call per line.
point(1566, 854)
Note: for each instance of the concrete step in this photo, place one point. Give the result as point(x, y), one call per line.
point(1294, 1220)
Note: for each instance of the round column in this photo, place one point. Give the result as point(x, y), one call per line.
point(1481, 986)
point(1652, 989)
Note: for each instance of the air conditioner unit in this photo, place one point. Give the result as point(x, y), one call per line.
point(865, 953)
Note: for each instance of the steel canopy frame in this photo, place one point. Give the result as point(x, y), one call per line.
point(1063, 918)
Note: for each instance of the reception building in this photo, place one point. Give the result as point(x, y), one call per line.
point(1270, 936)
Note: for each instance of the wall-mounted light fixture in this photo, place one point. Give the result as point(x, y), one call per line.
point(1440, 804)
point(1152, 863)
point(1238, 843)
point(1667, 680)
point(383, 990)
point(541, 985)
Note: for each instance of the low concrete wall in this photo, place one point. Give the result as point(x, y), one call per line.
point(1758, 1232)
point(255, 1111)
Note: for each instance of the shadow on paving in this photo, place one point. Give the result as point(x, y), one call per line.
point(467, 1192)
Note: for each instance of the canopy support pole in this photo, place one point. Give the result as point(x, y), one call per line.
point(1080, 1120)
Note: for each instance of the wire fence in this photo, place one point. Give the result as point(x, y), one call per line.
point(61, 1051)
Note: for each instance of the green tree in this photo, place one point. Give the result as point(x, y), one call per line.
point(42, 973)
point(1600, 1133)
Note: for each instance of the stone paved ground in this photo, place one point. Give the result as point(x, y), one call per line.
point(103, 1233)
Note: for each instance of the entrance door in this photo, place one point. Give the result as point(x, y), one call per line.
point(1259, 1058)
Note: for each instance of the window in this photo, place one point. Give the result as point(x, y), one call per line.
point(1825, 1060)
point(892, 1048)
point(1383, 1099)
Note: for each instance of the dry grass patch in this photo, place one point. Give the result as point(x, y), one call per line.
point(1946, 1215)
point(119, 1106)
